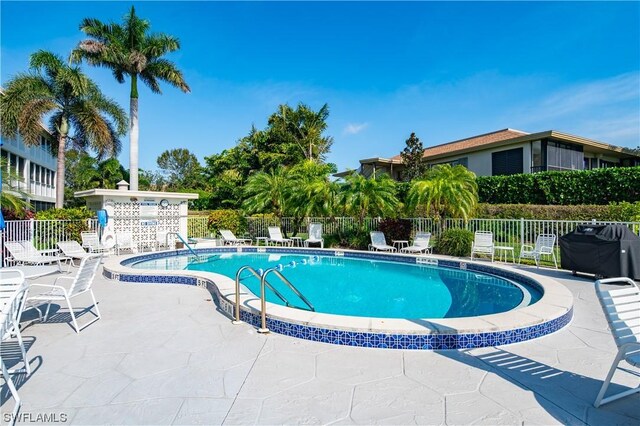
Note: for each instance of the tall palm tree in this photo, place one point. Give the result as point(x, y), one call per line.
point(128, 50)
point(267, 192)
point(445, 190)
point(361, 196)
point(78, 111)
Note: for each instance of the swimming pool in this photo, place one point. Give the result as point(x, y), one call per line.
point(364, 287)
point(549, 309)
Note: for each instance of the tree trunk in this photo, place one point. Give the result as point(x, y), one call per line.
point(62, 140)
point(133, 136)
point(133, 146)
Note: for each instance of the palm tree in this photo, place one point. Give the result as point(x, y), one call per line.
point(445, 190)
point(267, 192)
point(310, 192)
point(71, 101)
point(127, 50)
point(375, 196)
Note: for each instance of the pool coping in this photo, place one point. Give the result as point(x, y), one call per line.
point(552, 312)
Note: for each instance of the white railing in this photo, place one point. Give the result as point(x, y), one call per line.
point(46, 233)
point(512, 232)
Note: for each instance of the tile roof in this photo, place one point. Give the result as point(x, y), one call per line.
point(472, 142)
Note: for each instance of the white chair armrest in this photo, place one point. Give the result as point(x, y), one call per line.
point(526, 246)
point(48, 286)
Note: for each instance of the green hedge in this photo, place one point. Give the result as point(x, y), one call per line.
point(600, 186)
point(232, 220)
point(624, 212)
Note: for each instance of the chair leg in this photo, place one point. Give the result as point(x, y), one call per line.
point(95, 303)
point(607, 380)
point(73, 316)
point(27, 367)
point(554, 260)
point(14, 393)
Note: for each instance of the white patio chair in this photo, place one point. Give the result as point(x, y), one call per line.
point(483, 244)
point(91, 242)
point(13, 287)
point(229, 238)
point(379, 242)
point(315, 235)
point(73, 250)
point(420, 244)
point(621, 307)
point(9, 315)
point(25, 253)
point(56, 293)
point(124, 241)
point(545, 244)
point(275, 237)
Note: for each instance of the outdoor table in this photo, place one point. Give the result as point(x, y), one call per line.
point(296, 241)
point(400, 243)
point(265, 239)
point(505, 250)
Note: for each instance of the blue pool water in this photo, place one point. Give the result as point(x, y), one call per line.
point(369, 288)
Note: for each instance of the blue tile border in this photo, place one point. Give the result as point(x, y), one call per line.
point(426, 341)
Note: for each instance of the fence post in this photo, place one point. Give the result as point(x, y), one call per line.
point(521, 231)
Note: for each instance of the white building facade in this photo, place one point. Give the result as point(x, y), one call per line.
point(35, 165)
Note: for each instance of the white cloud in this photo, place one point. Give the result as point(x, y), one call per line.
point(355, 128)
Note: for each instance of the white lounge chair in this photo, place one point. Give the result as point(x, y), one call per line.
point(25, 253)
point(73, 250)
point(229, 238)
point(81, 284)
point(124, 241)
point(483, 244)
point(9, 315)
point(14, 287)
point(315, 235)
point(91, 242)
point(545, 244)
point(621, 307)
point(379, 242)
point(275, 237)
point(420, 244)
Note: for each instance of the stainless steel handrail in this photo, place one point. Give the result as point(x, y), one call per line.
point(257, 275)
point(166, 242)
point(263, 298)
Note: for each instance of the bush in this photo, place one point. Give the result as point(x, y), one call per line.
point(455, 242)
point(625, 212)
point(395, 229)
point(599, 186)
point(351, 239)
point(61, 231)
point(232, 220)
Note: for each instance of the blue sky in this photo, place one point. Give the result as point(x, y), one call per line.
point(443, 70)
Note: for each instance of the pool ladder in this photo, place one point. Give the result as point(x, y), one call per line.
point(186, 244)
point(263, 298)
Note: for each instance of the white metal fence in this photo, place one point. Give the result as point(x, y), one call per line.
point(513, 232)
point(506, 231)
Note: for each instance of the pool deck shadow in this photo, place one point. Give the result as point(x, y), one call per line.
point(165, 354)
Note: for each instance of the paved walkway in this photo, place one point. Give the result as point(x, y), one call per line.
point(163, 354)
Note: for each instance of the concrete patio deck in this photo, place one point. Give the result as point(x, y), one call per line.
point(163, 354)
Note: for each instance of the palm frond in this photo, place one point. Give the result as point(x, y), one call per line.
point(168, 72)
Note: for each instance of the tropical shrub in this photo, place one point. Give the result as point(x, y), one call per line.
point(356, 239)
point(67, 224)
point(395, 229)
point(455, 242)
point(445, 191)
point(232, 220)
point(599, 186)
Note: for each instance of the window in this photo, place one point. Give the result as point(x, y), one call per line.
point(563, 156)
point(537, 158)
point(507, 162)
